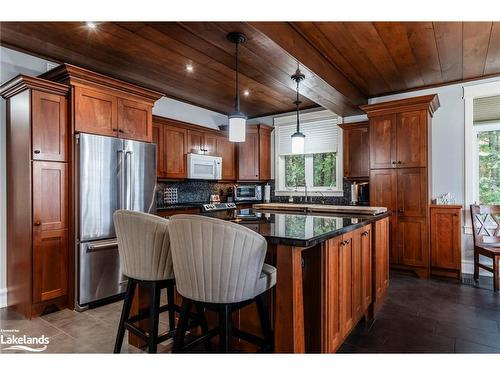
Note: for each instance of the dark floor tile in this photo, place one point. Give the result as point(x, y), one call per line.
point(469, 334)
point(464, 347)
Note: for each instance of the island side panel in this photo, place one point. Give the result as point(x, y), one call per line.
point(289, 316)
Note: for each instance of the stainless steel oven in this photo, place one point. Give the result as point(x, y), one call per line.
point(248, 192)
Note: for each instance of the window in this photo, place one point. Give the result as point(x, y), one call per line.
point(320, 168)
point(487, 162)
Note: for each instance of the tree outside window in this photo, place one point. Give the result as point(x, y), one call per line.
point(488, 142)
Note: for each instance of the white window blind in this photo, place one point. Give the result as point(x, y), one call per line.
point(486, 109)
point(321, 135)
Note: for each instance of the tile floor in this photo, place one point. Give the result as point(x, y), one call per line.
point(419, 316)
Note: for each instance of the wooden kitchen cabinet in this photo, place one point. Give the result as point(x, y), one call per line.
point(382, 133)
point(37, 195)
point(175, 151)
point(175, 139)
point(254, 155)
point(400, 175)
point(96, 112)
point(50, 195)
point(106, 106)
point(135, 120)
point(365, 235)
point(356, 150)
point(50, 264)
point(380, 257)
point(446, 242)
point(49, 126)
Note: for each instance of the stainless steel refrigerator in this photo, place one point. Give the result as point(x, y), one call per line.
point(111, 174)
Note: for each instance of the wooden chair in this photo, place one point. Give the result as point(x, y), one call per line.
point(486, 231)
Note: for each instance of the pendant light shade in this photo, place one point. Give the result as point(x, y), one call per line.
point(298, 138)
point(237, 120)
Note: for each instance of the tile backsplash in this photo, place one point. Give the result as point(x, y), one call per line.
point(195, 191)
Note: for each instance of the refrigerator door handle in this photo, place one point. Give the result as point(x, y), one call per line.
point(102, 246)
point(121, 176)
point(130, 179)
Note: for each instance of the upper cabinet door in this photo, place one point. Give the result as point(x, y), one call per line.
point(50, 197)
point(96, 112)
point(412, 139)
point(356, 152)
point(225, 149)
point(49, 127)
point(264, 154)
point(382, 142)
point(210, 145)
point(175, 143)
point(248, 157)
point(412, 192)
point(134, 120)
point(161, 171)
point(195, 142)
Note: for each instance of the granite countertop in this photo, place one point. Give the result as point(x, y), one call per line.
point(294, 228)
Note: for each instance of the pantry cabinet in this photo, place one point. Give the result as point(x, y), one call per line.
point(400, 175)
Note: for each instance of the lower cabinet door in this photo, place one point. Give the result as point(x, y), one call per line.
point(412, 241)
point(50, 264)
point(356, 276)
point(381, 257)
point(366, 266)
point(345, 284)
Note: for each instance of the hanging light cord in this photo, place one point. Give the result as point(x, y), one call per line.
point(297, 102)
point(237, 98)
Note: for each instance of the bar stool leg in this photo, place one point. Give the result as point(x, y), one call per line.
point(264, 321)
point(171, 310)
point(127, 304)
point(225, 318)
point(476, 265)
point(154, 317)
point(182, 325)
point(204, 326)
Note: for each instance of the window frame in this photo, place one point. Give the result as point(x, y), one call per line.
point(280, 189)
point(471, 181)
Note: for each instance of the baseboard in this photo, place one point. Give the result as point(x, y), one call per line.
point(468, 267)
point(3, 297)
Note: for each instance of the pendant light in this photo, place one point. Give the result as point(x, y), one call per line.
point(237, 120)
point(298, 138)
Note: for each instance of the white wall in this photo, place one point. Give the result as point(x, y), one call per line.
point(448, 140)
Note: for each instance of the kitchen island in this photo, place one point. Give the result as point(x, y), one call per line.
point(332, 270)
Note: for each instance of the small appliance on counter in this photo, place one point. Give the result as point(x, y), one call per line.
point(215, 198)
point(360, 193)
point(247, 193)
point(267, 193)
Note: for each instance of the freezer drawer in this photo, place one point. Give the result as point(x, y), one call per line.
point(100, 275)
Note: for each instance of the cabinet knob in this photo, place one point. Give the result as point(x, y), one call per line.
point(36, 151)
point(399, 162)
point(120, 131)
point(37, 223)
point(393, 162)
point(114, 129)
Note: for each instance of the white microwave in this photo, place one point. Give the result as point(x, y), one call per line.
point(204, 167)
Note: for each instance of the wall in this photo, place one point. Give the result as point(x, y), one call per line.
point(448, 139)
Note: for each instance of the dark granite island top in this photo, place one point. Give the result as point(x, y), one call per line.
point(294, 228)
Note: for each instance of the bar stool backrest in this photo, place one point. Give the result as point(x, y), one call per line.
point(486, 224)
point(215, 261)
point(143, 245)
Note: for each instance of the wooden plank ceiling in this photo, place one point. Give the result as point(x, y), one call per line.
point(344, 62)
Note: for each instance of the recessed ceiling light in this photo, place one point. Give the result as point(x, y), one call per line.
point(189, 67)
point(91, 25)
point(246, 92)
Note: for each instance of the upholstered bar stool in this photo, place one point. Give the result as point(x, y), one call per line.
point(219, 266)
point(145, 258)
